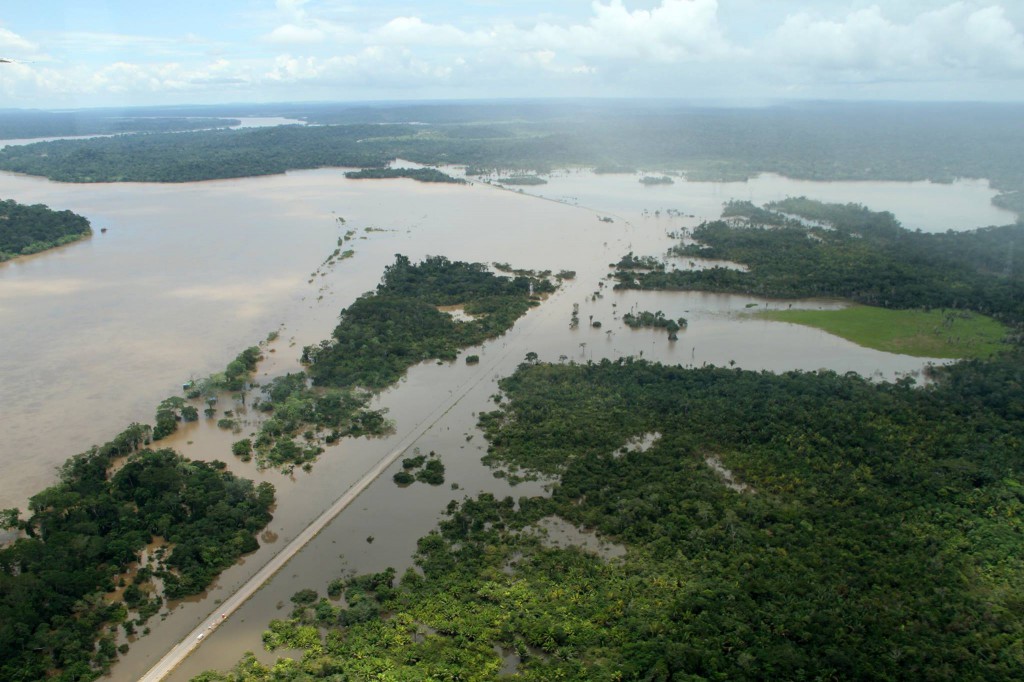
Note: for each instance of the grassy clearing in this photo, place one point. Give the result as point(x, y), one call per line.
point(933, 333)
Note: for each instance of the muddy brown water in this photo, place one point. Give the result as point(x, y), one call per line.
point(97, 333)
point(928, 206)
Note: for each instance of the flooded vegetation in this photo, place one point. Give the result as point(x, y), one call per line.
point(420, 174)
point(222, 283)
point(209, 308)
point(592, 341)
point(698, 541)
point(847, 251)
point(926, 206)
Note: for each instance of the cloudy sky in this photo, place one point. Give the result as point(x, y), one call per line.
point(126, 52)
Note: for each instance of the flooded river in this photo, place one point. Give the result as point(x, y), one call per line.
point(97, 333)
point(925, 206)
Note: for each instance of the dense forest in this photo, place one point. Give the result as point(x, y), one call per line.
point(851, 252)
point(206, 155)
point(525, 180)
point(794, 526)
point(816, 141)
point(418, 174)
point(385, 332)
point(59, 613)
point(29, 229)
point(16, 124)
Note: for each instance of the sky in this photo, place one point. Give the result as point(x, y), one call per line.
point(81, 53)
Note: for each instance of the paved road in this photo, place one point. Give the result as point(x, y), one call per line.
point(193, 639)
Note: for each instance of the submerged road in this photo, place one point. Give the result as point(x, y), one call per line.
point(193, 639)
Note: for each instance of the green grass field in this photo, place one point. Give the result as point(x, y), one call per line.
point(933, 334)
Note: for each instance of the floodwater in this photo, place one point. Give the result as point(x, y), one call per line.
point(266, 121)
point(97, 333)
point(927, 206)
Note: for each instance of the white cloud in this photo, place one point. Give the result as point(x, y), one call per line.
point(335, 48)
point(934, 44)
point(412, 31)
point(676, 30)
point(77, 44)
point(372, 65)
point(120, 79)
point(400, 50)
point(990, 39)
point(293, 9)
point(290, 34)
point(12, 43)
point(289, 68)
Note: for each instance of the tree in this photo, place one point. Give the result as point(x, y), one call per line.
point(10, 519)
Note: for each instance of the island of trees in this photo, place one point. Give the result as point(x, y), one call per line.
point(803, 248)
point(28, 229)
point(656, 320)
point(522, 180)
point(383, 333)
point(419, 174)
point(423, 468)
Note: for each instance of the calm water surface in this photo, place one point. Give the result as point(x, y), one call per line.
point(928, 206)
point(97, 333)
